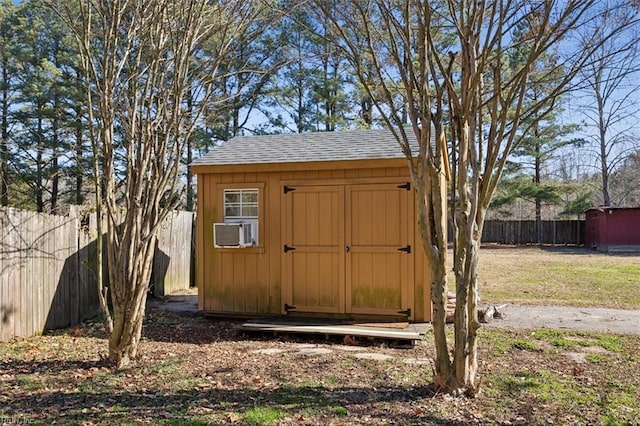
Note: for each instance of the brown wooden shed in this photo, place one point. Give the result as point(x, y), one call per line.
point(317, 224)
point(613, 228)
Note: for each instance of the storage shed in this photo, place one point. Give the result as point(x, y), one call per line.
point(317, 224)
point(613, 228)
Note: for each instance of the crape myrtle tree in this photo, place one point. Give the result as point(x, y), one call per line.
point(138, 58)
point(447, 61)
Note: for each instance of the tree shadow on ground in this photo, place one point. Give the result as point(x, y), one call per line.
point(169, 327)
point(94, 397)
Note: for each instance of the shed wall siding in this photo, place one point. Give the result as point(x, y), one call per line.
point(613, 229)
point(249, 281)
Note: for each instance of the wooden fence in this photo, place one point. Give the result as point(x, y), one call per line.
point(523, 232)
point(174, 257)
point(47, 266)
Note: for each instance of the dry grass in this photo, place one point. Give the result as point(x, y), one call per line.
point(559, 276)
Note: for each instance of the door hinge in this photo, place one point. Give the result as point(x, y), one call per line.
point(406, 249)
point(406, 186)
point(288, 307)
point(407, 312)
point(288, 189)
point(288, 248)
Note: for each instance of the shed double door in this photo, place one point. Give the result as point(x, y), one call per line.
point(348, 249)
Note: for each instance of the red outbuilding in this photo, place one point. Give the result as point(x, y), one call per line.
point(613, 228)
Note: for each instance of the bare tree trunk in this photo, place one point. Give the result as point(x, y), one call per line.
point(55, 152)
point(130, 281)
point(79, 196)
point(537, 179)
point(39, 162)
point(79, 148)
point(602, 139)
point(432, 226)
point(465, 269)
point(4, 133)
point(189, 149)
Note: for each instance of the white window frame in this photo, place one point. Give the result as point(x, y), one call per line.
point(242, 204)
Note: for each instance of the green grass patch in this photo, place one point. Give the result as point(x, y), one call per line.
point(616, 400)
point(612, 420)
point(555, 338)
point(31, 384)
point(606, 385)
point(262, 415)
point(571, 340)
point(169, 367)
point(544, 386)
point(525, 345)
point(609, 342)
point(166, 368)
point(340, 411)
point(330, 381)
point(594, 358)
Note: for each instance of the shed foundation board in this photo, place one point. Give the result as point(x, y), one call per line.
point(392, 331)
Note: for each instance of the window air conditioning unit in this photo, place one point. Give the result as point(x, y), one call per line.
point(232, 235)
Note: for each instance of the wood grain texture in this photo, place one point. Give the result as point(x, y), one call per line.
point(318, 218)
point(47, 268)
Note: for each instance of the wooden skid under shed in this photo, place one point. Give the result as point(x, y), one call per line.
point(411, 332)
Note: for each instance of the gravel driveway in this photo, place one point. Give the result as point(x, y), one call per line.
point(569, 318)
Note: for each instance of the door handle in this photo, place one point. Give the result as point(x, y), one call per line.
point(346, 249)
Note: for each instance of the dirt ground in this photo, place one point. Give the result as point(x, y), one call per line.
point(538, 365)
point(198, 371)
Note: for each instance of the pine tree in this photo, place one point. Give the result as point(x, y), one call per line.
point(7, 80)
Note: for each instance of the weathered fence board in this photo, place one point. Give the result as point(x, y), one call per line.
point(47, 268)
point(173, 257)
point(523, 232)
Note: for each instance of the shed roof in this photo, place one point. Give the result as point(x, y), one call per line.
point(306, 147)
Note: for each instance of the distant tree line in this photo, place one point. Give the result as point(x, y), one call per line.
point(285, 75)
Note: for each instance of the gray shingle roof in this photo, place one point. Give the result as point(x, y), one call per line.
point(306, 147)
